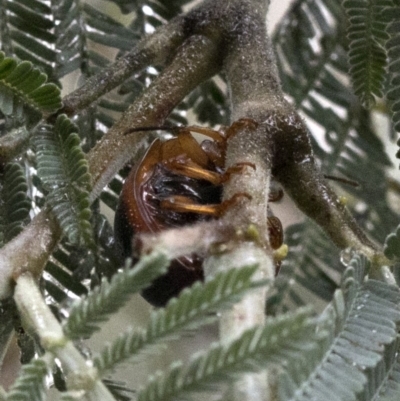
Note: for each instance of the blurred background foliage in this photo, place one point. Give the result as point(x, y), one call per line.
point(339, 65)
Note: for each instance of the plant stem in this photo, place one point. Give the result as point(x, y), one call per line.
point(247, 313)
point(6, 328)
point(254, 86)
point(37, 316)
point(195, 61)
point(28, 251)
point(13, 144)
point(154, 49)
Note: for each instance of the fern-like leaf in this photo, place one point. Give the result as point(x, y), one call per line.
point(119, 390)
point(392, 245)
point(70, 37)
point(104, 30)
point(30, 383)
point(110, 296)
point(23, 88)
point(209, 103)
point(305, 40)
point(188, 311)
point(312, 61)
point(308, 269)
point(27, 32)
point(367, 56)
point(388, 389)
point(15, 207)
point(393, 49)
point(63, 169)
point(362, 321)
point(256, 348)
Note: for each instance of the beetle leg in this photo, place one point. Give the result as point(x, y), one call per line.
point(239, 125)
point(237, 168)
point(185, 166)
point(275, 195)
point(184, 204)
point(275, 231)
point(217, 136)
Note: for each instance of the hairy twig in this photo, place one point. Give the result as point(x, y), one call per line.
point(196, 61)
point(232, 33)
point(155, 49)
point(38, 317)
point(219, 34)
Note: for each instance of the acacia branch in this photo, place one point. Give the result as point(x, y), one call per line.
point(38, 317)
point(233, 33)
point(155, 49)
point(195, 61)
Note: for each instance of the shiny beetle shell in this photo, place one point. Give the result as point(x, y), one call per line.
point(177, 182)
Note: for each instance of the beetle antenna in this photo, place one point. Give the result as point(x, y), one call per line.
point(342, 180)
point(172, 129)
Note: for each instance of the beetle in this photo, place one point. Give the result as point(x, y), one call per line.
point(179, 182)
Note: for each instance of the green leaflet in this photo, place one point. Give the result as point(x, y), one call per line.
point(312, 68)
point(27, 33)
point(393, 49)
point(255, 349)
point(389, 372)
point(15, 204)
point(23, 89)
point(308, 269)
point(30, 383)
point(367, 57)
point(110, 296)
point(362, 321)
point(392, 245)
point(77, 25)
point(69, 265)
point(63, 169)
point(194, 307)
point(302, 66)
point(209, 103)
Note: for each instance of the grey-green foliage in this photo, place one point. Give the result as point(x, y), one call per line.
point(26, 31)
point(312, 41)
point(24, 92)
point(63, 169)
point(367, 57)
point(30, 384)
point(109, 297)
point(389, 369)
point(311, 48)
point(362, 320)
point(195, 306)
point(393, 48)
point(280, 341)
point(308, 269)
point(15, 205)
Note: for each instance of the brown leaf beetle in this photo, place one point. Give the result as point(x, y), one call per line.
point(179, 182)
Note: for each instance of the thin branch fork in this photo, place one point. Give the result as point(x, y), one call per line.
point(228, 35)
point(39, 319)
point(220, 34)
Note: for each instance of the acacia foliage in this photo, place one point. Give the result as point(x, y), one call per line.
point(339, 64)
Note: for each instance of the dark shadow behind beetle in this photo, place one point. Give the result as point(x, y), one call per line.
point(179, 182)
